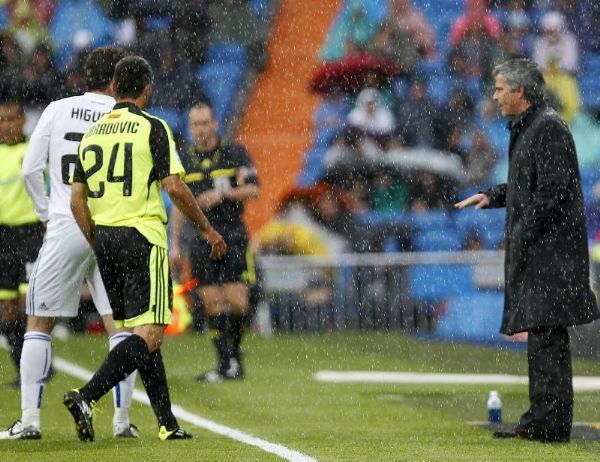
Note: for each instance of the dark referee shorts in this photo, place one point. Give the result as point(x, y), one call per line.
point(19, 247)
point(236, 266)
point(136, 276)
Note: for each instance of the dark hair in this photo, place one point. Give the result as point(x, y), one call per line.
point(132, 75)
point(100, 66)
point(523, 72)
point(203, 103)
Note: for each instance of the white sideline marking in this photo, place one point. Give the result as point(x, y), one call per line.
point(580, 383)
point(79, 372)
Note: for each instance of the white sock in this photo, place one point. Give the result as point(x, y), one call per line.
point(123, 390)
point(35, 364)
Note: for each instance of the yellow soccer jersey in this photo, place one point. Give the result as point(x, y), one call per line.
point(16, 207)
point(122, 159)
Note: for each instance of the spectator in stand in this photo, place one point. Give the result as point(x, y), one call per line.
point(477, 50)
point(479, 160)
point(457, 113)
point(405, 37)
point(26, 29)
point(565, 88)
point(351, 154)
point(556, 42)
point(516, 41)
point(175, 83)
point(10, 59)
point(388, 194)
point(43, 9)
point(40, 79)
point(353, 31)
point(476, 16)
point(416, 116)
point(233, 21)
point(429, 192)
point(370, 116)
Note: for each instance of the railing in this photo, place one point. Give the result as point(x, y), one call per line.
point(386, 291)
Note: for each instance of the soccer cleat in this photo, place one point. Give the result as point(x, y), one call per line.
point(18, 432)
point(210, 377)
point(125, 431)
point(82, 413)
point(177, 434)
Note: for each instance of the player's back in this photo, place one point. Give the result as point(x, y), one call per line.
point(62, 127)
point(123, 157)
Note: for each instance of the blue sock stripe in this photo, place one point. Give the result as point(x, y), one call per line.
point(118, 394)
point(39, 404)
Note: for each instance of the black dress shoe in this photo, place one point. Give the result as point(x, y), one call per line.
point(541, 436)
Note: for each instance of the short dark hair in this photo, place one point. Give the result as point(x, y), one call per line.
point(524, 72)
point(100, 66)
point(132, 75)
point(203, 103)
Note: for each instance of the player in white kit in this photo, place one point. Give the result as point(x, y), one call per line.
point(65, 259)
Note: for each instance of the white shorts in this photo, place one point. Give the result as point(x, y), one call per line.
point(63, 262)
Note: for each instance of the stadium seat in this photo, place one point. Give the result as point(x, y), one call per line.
point(72, 16)
point(221, 82)
point(489, 224)
point(377, 218)
point(473, 317)
point(429, 220)
point(437, 281)
point(438, 240)
point(175, 118)
point(223, 53)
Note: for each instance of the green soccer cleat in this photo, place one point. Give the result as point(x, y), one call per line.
point(177, 434)
point(82, 413)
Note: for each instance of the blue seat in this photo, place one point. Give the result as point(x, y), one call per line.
point(429, 220)
point(227, 52)
point(488, 224)
point(437, 240)
point(72, 16)
point(440, 281)
point(379, 218)
point(174, 117)
point(473, 317)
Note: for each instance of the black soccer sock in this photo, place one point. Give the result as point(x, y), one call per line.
point(15, 333)
point(154, 378)
point(217, 326)
point(121, 361)
point(236, 332)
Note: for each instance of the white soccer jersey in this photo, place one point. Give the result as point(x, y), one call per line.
point(54, 142)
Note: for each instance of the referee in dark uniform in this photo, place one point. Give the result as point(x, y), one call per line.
point(222, 177)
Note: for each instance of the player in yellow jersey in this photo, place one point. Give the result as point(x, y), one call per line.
point(124, 159)
point(21, 231)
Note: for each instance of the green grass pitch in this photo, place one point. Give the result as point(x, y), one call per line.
point(282, 403)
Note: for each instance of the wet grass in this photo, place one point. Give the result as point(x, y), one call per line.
point(280, 402)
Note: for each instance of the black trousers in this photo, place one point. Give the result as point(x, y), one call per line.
point(550, 383)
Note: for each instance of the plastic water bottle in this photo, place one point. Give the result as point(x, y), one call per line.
point(494, 406)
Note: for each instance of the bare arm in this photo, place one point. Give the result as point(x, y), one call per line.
point(81, 212)
point(242, 193)
point(184, 200)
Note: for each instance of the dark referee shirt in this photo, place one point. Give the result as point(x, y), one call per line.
point(227, 166)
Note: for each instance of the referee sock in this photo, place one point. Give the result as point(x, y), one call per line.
point(15, 331)
point(35, 364)
point(217, 326)
point(121, 361)
point(236, 332)
point(123, 391)
point(154, 378)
